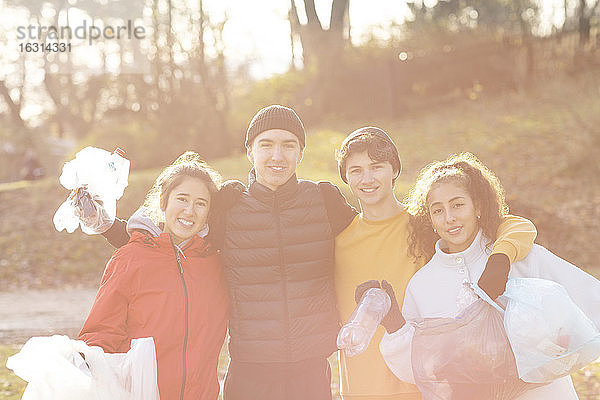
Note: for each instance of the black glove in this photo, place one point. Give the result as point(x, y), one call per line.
point(363, 287)
point(494, 276)
point(393, 320)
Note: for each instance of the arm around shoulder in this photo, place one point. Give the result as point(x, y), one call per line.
point(515, 237)
point(339, 212)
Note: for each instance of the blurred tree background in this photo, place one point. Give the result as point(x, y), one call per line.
point(515, 81)
point(178, 84)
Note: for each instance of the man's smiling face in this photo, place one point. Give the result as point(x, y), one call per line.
point(275, 154)
point(371, 181)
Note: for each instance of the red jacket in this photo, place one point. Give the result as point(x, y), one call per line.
point(179, 299)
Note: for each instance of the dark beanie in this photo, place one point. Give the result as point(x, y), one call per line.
point(276, 117)
point(364, 134)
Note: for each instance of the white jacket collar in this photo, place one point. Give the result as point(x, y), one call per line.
point(472, 254)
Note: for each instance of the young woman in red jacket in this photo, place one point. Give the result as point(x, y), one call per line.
point(167, 283)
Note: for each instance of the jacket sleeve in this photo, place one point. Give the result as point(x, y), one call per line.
point(396, 347)
point(515, 237)
point(228, 195)
point(582, 287)
point(106, 324)
point(396, 351)
point(339, 212)
point(117, 234)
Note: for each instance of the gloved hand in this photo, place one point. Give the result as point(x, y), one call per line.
point(90, 211)
point(363, 287)
point(393, 320)
point(494, 276)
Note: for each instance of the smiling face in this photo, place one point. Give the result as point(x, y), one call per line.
point(371, 181)
point(275, 155)
point(453, 215)
point(187, 209)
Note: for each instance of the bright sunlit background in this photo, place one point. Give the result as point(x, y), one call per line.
point(516, 82)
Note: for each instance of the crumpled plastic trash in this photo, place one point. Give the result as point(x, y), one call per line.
point(55, 370)
point(550, 335)
point(97, 180)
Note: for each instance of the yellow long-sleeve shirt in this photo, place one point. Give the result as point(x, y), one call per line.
point(377, 250)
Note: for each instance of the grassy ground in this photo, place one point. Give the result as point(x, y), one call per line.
point(11, 386)
point(587, 380)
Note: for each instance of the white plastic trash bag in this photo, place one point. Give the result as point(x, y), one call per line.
point(549, 334)
point(55, 370)
point(97, 180)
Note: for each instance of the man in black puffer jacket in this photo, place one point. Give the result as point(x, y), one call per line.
point(278, 251)
point(277, 240)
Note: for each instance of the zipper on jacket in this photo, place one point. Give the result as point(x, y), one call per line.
point(283, 277)
point(185, 337)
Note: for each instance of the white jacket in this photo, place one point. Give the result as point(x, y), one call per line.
point(437, 290)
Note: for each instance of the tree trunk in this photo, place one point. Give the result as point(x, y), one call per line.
point(584, 25)
point(15, 108)
point(320, 46)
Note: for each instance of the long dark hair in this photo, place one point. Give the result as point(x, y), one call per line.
point(482, 185)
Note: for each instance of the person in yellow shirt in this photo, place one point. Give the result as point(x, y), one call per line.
point(374, 247)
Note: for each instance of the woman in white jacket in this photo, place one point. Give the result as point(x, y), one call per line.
point(456, 206)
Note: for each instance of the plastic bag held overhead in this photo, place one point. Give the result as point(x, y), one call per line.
point(97, 180)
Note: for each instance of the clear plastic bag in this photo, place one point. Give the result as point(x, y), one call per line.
point(467, 357)
point(549, 334)
point(55, 370)
point(97, 180)
point(355, 335)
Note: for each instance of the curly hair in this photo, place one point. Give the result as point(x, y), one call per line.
point(189, 165)
point(482, 185)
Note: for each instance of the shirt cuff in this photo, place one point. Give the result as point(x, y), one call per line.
point(507, 248)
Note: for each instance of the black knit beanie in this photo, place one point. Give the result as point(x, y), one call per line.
point(276, 117)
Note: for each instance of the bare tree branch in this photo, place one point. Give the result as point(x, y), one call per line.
point(15, 107)
point(311, 14)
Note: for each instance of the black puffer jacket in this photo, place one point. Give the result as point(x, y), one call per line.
point(278, 254)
